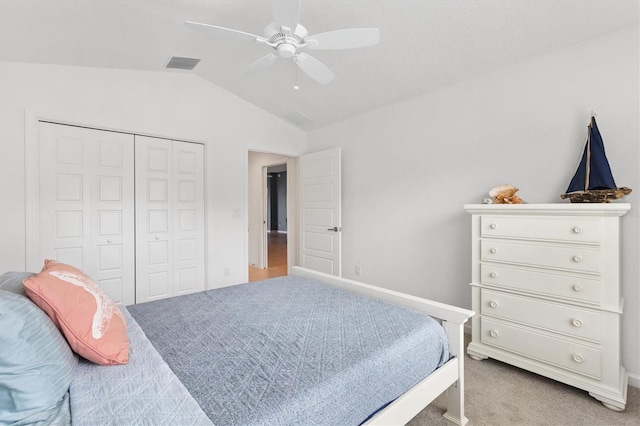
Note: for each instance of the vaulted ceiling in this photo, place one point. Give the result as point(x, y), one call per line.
point(424, 45)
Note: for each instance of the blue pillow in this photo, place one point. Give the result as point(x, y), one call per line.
point(12, 281)
point(36, 363)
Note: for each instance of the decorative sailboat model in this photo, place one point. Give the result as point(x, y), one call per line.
point(593, 181)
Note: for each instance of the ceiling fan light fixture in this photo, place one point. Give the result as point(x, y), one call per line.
point(286, 50)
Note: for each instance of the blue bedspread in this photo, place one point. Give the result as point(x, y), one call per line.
point(291, 351)
point(143, 392)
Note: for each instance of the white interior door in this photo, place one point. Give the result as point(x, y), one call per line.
point(320, 199)
point(86, 204)
point(170, 231)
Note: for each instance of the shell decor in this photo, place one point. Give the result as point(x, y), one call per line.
point(505, 194)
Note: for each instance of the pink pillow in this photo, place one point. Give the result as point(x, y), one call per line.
point(93, 325)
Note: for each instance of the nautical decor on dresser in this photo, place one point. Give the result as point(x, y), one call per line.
point(505, 194)
point(593, 181)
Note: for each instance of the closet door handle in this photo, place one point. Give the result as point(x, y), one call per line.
point(334, 229)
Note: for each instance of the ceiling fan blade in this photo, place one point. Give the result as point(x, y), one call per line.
point(260, 64)
point(286, 14)
point(314, 68)
point(344, 39)
point(228, 32)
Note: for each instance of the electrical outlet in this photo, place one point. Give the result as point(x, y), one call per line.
point(226, 271)
point(358, 270)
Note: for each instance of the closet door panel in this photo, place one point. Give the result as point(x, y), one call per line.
point(153, 218)
point(62, 188)
point(113, 221)
point(189, 230)
point(170, 218)
point(86, 204)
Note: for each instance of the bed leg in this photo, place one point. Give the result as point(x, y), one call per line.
point(455, 393)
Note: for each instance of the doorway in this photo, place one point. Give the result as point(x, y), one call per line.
point(271, 211)
point(275, 222)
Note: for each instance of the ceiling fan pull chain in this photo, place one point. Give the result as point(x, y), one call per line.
point(295, 85)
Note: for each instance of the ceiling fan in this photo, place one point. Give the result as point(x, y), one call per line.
point(289, 39)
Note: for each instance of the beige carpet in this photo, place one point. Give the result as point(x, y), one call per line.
point(499, 394)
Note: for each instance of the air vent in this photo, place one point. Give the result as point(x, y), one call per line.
point(176, 62)
point(298, 119)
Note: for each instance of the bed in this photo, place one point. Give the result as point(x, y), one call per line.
point(310, 348)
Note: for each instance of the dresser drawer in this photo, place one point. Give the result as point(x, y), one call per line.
point(549, 316)
point(570, 229)
point(571, 287)
point(579, 258)
point(552, 350)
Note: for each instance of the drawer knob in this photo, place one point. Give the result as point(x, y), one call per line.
point(577, 323)
point(493, 226)
point(109, 241)
point(493, 275)
point(493, 304)
point(157, 238)
point(577, 259)
point(493, 333)
point(578, 358)
point(577, 288)
point(577, 230)
point(493, 251)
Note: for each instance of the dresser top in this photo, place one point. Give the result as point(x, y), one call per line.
point(564, 209)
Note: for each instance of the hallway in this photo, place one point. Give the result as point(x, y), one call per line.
point(277, 259)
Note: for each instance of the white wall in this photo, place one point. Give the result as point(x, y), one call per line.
point(409, 168)
point(173, 105)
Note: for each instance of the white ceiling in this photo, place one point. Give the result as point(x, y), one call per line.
point(424, 45)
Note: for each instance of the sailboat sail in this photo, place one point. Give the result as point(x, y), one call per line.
point(594, 171)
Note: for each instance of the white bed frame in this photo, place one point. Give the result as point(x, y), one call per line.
point(449, 377)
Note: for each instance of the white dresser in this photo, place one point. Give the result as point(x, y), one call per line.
point(546, 292)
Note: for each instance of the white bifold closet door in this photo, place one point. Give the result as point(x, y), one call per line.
point(169, 201)
point(86, 191)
